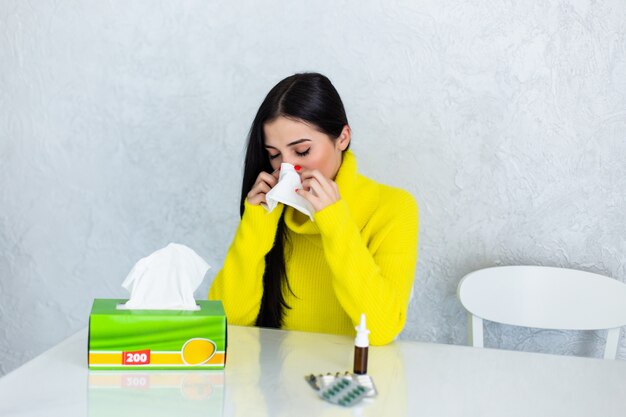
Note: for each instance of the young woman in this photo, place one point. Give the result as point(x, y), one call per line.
point(357, 256)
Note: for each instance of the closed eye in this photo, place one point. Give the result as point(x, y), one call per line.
point(273, 156)
point(303, 153)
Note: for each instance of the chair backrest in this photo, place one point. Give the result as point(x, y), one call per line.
point(544, 297)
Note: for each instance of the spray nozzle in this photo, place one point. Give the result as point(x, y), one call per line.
point(362, 340)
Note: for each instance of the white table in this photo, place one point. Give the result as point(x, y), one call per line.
point(265, 371)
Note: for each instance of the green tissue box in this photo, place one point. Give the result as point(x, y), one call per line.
point(157, 339)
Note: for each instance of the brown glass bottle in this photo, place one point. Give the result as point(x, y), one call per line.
point(360, 360)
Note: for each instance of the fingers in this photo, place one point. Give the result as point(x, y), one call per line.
point(269, 179)
point(316, 181)
point(318, 190)
point(263, 184)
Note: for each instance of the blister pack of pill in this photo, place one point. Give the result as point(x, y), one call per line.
point(344, 392)
point(360, 386)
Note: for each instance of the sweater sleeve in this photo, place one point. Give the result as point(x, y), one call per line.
point(239, 285)
point(374, 277)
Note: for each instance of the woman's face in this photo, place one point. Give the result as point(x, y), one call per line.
point(298, 143)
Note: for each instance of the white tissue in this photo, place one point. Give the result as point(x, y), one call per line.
point(165, 280)
point(284, 192)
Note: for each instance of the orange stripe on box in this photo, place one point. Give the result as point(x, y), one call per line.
point(156, 358)
point(105, 358)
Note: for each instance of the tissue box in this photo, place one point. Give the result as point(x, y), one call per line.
point(156, 339)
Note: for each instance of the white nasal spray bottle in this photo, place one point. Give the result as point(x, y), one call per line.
point(361, 345)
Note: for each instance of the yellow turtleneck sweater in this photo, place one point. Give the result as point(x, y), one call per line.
point(358, 256)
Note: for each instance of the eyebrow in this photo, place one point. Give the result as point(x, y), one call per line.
point(295, 142)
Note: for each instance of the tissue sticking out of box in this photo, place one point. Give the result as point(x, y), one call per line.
point(165, 280)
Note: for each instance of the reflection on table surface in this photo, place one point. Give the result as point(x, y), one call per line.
point(170, 393)
point(265, 371)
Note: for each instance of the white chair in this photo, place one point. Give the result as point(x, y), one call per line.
point(544, 297)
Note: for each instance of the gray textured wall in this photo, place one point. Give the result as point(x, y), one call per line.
point(122, 127)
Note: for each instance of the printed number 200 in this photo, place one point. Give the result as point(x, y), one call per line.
point(136, 358)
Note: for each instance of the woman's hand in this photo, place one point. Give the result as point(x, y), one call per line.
point(318, 190)
point(263, 184)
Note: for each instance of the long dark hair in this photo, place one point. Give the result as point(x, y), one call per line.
point(309, 97)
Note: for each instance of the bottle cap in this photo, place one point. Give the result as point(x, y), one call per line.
point(362, 340)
